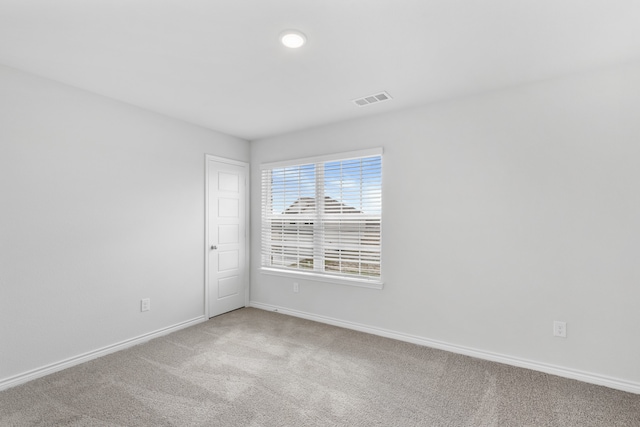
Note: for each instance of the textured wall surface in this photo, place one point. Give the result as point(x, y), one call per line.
point(501, 213)
point(102, 205)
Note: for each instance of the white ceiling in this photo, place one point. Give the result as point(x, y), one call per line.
point(218, 63)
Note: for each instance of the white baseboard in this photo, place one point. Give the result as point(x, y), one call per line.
point(76, 360)
point(587, 377)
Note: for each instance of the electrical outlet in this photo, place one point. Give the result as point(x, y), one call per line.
point(145, 304)
point(560, 329)
point(296, 287)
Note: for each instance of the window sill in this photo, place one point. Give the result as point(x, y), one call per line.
point(318, 277)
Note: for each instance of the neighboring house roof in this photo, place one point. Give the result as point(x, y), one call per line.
point(307, 205)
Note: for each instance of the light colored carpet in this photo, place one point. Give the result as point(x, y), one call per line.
point(257, 368)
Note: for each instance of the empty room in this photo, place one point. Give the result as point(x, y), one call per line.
point(320, 213)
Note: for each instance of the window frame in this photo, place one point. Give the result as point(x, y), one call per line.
point(315, 274)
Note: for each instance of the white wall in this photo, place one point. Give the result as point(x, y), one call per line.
point(501, 213)
point(102, 204)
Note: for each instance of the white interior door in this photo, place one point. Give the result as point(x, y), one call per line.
point(226, 240)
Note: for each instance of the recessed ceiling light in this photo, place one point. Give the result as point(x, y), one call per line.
point(292, 38)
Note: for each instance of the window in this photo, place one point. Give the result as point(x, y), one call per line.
point(322, 217)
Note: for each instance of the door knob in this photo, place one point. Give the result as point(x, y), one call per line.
point(213, 247)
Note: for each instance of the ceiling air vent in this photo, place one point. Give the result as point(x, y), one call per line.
point(372, 99)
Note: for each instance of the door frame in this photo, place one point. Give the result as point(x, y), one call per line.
point(207, 244)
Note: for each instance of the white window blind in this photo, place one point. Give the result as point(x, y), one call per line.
point(323, 215)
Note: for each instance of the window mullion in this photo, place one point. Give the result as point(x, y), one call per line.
point(318, 224)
